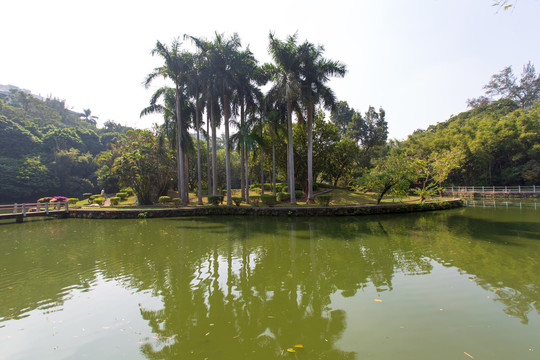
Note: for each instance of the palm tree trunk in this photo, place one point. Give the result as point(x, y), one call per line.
point(186, 177)
point(291, 154)
point(226, 114)
point(274, 168)
point(243, 175)
point(262, 171)
point(179, 148)
point(208, 162)
point(246, 153)
point(214, 155)
point(199, 183)
point(310, 199)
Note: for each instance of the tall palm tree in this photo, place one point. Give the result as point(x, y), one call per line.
point(316, 71)
point(286, 74)
point(167, 107)
point(177, 64)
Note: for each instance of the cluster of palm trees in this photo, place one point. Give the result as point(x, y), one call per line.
point(222, 80)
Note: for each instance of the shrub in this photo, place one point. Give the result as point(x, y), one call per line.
point(254, 200)
point(129, 191)
point(282, 187)
point(237, 200)
point(122, 195)
point(164, 199)
point(268, 199)
point(98, 200)
point(45, 199)
point(283, 196)
point(298, 194)
point(72, 201)
point(176, 201)
point(255, 186)
point(323, 200)
point(142, 215)
point(115, 200)
point(86, 195)
point(215, 199)
point(267, 187)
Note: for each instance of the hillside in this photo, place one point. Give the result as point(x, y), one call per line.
point(501, 142)
point(46, 148)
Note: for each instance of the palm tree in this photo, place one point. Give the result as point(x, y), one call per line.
point(316, 71)
point(88, 117)
point(287, 83)
point(177, 64)
point(168, 109)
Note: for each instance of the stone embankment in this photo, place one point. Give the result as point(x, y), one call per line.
point(265, 211)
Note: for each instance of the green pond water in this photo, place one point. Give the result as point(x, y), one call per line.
point(456, 284)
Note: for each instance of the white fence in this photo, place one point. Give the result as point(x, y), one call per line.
point(493, 189)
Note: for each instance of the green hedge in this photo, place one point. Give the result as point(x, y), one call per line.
point(254, 200)
point(268, 199)
point(215, 199)
point(115, 200)
point(164, 199)
point(323, 200)
point(283, 196)
point(122, 195)
point(98, 200)
point(237, 200)
point(72, 201)
point(129, 191)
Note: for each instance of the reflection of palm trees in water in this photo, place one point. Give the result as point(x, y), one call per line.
point(249, 314)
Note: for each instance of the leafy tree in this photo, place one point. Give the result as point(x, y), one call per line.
point(506, 85)
point(343, 155)
point(392, 174)
point(16, 140)
point(341, 116)
point(145, 164)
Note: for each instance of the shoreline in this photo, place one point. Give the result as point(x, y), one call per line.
point(265, 211)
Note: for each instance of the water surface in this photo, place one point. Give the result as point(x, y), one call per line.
point(444, 285)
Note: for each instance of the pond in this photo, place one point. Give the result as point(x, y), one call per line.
point(457, 284)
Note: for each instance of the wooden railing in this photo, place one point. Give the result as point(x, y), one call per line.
point(19, 211)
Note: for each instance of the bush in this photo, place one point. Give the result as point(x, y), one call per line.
point(282, 187)
point(86, 195)
point(298, 194)
point(164, 199)
point(72, 201)
point(98, 200)
point(267, 187)
point(323, 200)
point(254, 200)
point(129, 191)
point(283, 196)
point(237, 200)
point(268, 199)
point(176, 201)
point(115, 200)
point(122, 195)
point(255, 186)
point(215, 199)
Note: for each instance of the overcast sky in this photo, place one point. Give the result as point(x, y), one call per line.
point(420, 60)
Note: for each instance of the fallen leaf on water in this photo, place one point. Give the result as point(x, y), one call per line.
point(271, 317)
point(469, 355)
point(377, 300)
point(291, 350)
point(300, 346)
point(105, 327)
point(207, 334)
point(10, 287)
point(531, 349)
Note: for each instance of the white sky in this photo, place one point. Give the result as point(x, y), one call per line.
point(420, 60)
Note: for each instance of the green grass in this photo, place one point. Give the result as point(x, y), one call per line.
point(340, 197)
